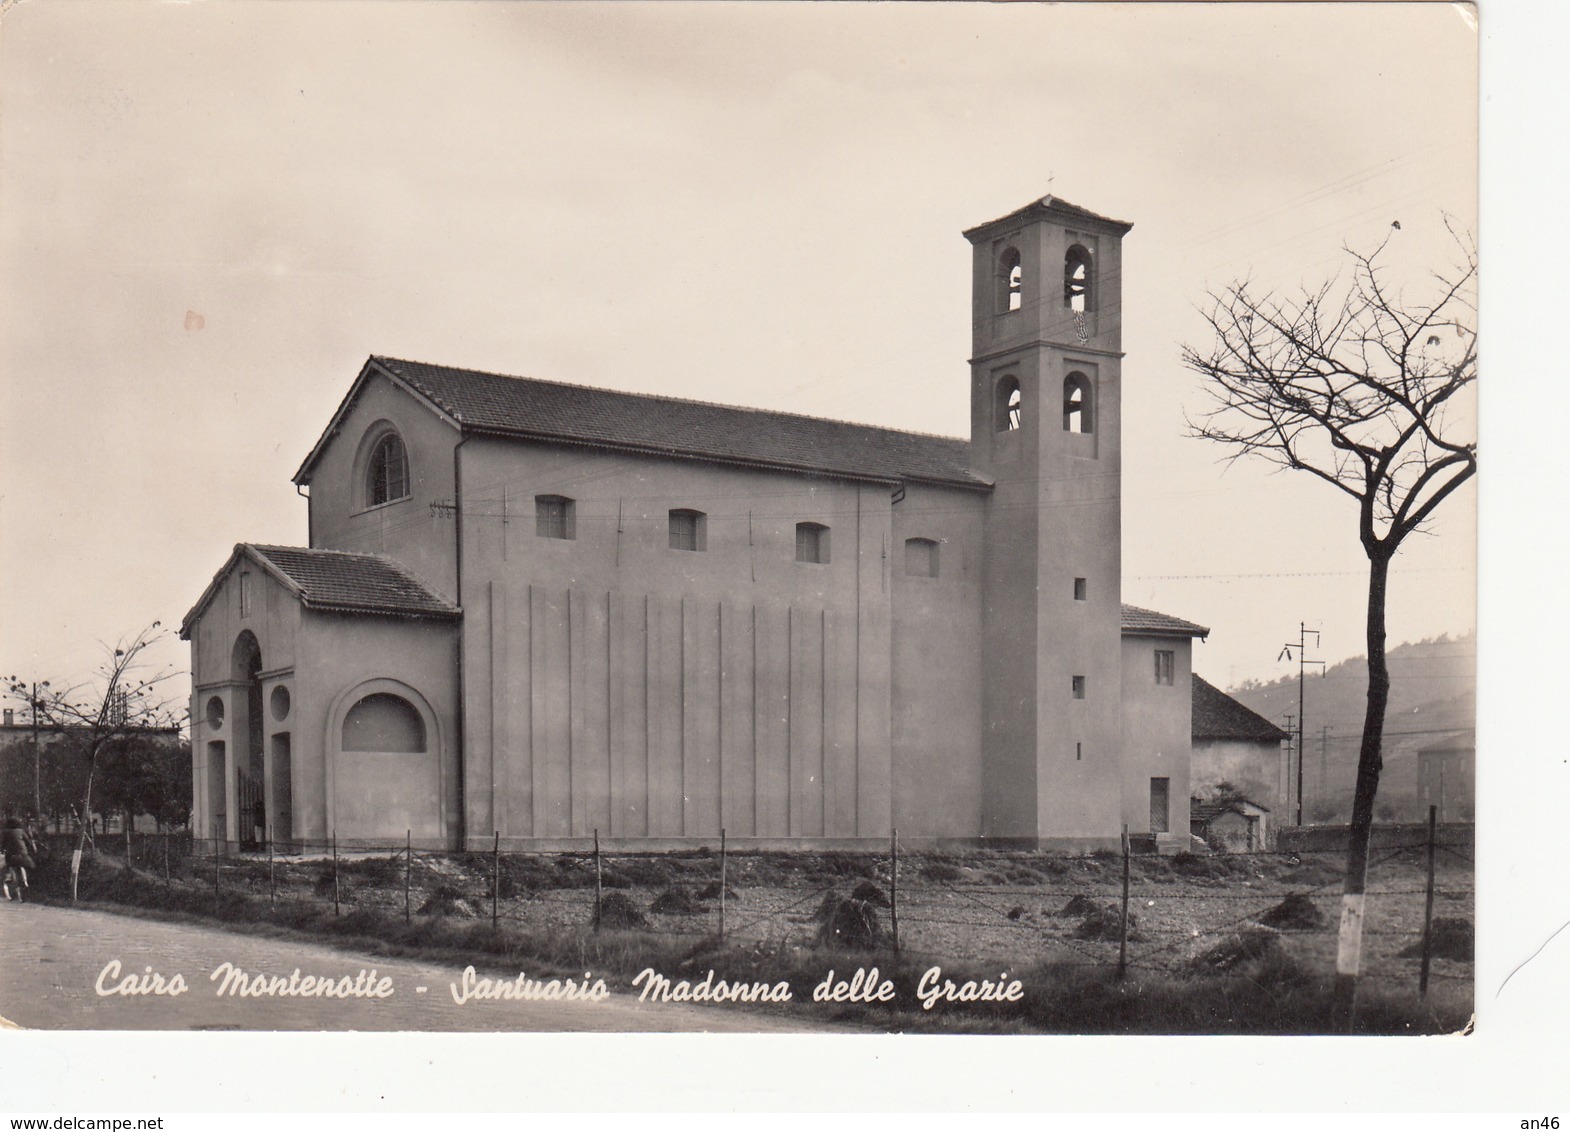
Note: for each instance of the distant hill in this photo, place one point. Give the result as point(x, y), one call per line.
point(1433, 687)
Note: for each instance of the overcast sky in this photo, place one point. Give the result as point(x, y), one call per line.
point(212, 213)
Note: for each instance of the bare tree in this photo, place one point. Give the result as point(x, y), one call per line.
point(120, 704)
point(1367, 391)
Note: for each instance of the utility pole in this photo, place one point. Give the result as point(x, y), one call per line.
point(1324, 765)
point(1286, 791)
point(38, 806)
point(1302, 663)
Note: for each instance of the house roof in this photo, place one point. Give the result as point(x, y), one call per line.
point(336, 581)
point(1147, 622)
point(1052, 206)
point(1218, 716)
point(1207, 811)
point(529, 408)
point(1464, 739)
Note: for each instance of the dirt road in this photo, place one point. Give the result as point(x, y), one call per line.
point(55, 964)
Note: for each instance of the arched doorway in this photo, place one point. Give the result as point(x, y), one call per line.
point(250, 766)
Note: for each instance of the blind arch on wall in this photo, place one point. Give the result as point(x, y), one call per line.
point(383, 721)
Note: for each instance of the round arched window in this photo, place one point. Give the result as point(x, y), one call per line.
point(215, 712)
point(387, 476)
point(280, 702)
point(1008, 406)
point(383, 722)
point(1076, 403)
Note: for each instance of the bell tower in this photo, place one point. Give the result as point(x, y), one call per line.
point(1046, 393)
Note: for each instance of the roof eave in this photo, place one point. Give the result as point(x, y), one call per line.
point(1198, 631)
point(1051, 206)
point(241, 550)
point(346, 610)
point(974, 484)
point(372, 367)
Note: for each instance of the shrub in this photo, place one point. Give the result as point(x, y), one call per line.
point(941, 871)
point(446, 901)
point(648, 872)
point(1297, 911)
point(711, 891)
point(1251, 945)
point(850, 924)
point(676, 901)
point(869, 892)
point(617, 911)
point(1078, 905)
point(844, 865)
point(1106, 924)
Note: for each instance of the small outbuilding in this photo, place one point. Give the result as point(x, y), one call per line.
point(1233, 825)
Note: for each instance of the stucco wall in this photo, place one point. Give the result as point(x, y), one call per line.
point(937, 651)
point(1157, 725)
point(1051, 761)
point(406, 529)
point(274, 619)
point(614, 683)
point(316, 659)
point(1253, 768)
point(377, 796)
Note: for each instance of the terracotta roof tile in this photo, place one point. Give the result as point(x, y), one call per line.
point(1218, 716)
point(1137, 620)
point(347, 582)
point(518, 406)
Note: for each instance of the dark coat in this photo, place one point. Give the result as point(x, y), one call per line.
point(18, 849)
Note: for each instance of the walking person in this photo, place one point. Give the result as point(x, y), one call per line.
point(18, 857)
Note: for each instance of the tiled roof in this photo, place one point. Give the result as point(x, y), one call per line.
point(1057, 206)
point(1137, 620)
point(348, 582)
point(1218, 716)
point(670, 426)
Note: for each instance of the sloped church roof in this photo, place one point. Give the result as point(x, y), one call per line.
point(529, 408)
point(335, 581)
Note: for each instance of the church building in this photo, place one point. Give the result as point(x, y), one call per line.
point(545, 612)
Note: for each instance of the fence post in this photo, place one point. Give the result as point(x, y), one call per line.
point(599, 881)
point(272, 887)
point(217, 882)
point(408, 867)
point(1123, 922)
point(496, 873)
point(336, 908)
point(1428, 907)
point(166, 857)
point(128, 866)
point(894, 888)
point(722, 884)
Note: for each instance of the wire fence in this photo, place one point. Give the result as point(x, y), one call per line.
point(1170, 914)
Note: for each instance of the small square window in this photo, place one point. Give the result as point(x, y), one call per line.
point(1164, 666)
point(921, 558)
point(812, 542)
point(1079, 687)
point(1080, 589)
point(687, 530)
point(553, 516)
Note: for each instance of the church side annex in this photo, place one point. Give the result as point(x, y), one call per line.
point(543, 611)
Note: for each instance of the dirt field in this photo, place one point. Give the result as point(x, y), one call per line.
point(997, 908)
